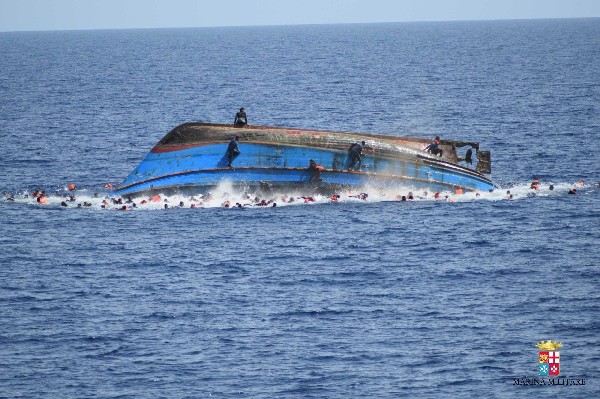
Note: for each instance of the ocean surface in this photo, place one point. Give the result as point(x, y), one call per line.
point(377, 298)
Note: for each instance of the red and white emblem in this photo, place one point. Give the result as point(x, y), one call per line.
point(549, 358)
point(554, 362)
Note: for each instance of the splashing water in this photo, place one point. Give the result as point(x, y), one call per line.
point(226, 196)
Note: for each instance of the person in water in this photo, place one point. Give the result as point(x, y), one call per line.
point(232, 150)
point(535, 184)
point(434, 147)
point(361, 196)
point(355, 151)
point(241, 119)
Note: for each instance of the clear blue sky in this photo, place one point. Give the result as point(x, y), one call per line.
point(19, 15)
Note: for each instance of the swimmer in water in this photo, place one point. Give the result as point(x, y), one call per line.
point(307, 199)
point(361, 196)
point(535, 184)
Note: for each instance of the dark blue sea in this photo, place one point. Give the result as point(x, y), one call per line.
point(377, 298)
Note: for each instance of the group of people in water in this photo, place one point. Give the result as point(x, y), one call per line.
point(535, 185)
point(68, 198)
point(354, 163)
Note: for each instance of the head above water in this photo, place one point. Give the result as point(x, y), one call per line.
point(242, 109)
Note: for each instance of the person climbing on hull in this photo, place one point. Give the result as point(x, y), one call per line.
point(355, 155)
point(232, 151)
point(315, 171)
point(434, 147)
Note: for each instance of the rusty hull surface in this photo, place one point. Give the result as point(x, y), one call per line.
point(190, 134)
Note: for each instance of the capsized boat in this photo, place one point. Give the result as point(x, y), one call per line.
point(194, 155)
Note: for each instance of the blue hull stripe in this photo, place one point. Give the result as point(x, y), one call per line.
point(206, 166)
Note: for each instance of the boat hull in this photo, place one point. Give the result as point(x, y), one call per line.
point(276, 157)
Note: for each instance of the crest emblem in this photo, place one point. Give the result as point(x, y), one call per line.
point(549, 358)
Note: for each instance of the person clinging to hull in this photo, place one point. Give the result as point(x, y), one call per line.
point(434, 147)
point(315, 171)
point(469, 156)
point(355, 152)
point(232, 150)
point(241, 119)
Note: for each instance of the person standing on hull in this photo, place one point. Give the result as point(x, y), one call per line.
point(232, 151)
point(434, 147)
point(241, 119)
point(469, 156)
point(355, 151)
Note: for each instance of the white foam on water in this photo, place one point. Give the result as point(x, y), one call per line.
point(225, 195)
